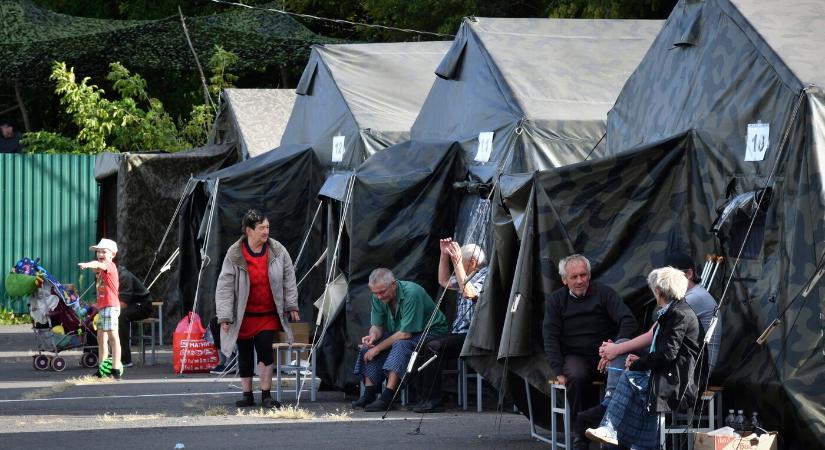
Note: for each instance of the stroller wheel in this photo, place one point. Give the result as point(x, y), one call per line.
point(89, 360)
point(41, 362)
point(58, 364)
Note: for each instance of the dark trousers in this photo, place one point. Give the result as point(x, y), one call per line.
point(260, 344)
point(127, 315)
point(580, 372)
point(446, 347)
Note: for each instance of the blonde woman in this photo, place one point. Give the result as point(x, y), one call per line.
point(661, 380)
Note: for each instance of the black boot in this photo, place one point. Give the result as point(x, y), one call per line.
point(365, 399)
point(380, 404)
point(267, 401)
point(247, 400)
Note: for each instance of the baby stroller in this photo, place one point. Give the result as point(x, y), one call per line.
point(59, 321)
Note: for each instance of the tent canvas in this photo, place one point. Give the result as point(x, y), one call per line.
point(253, 119)
point(281, 184)
point(716, 68)
point(541, 86)
point(367, 93)
point(139, 193)
point(747, 79)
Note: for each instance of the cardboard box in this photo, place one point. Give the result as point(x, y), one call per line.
point(705, 441)
point(300, 333)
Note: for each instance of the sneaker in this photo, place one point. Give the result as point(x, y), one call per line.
point(128, 364)
point(603, 435)
point(117, 374)
point(270, 402)
point(429, 406)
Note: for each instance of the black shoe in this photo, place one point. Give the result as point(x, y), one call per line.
point(579, 442)
point(245, 402)
point(362, 402)
point(270, 402)
point(117, 374)
point(429, 406)
point(379, 405)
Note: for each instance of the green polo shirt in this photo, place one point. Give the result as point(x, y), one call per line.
point(413, 309)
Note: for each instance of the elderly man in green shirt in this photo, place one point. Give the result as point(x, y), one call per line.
point(400, 312)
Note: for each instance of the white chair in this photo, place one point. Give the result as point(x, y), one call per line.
point(284, 353)
point(463, 378)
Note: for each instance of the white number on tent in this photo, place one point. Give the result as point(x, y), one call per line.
point(338, 149)
point(757, 146)
point(485, 146)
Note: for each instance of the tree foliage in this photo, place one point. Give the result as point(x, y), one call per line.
point(130, 121)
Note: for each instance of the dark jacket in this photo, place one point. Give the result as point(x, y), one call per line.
point(578, 326)
point(672, 377)
point(132, 291)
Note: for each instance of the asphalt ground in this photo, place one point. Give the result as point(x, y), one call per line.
point(153, 408)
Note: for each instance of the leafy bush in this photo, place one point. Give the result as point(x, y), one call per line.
point(133, 121)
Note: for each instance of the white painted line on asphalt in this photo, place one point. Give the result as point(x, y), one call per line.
point(107, 397)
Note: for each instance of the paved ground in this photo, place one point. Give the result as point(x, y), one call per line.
point(152, 408)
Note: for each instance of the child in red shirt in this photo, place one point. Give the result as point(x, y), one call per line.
point(108, 303)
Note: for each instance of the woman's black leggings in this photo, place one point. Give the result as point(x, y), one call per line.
point(261, 343)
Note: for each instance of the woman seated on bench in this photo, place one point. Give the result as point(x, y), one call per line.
point(660, 381)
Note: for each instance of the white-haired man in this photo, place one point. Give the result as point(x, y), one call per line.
point(400, 312)
point(468, 274)
point(577, 319)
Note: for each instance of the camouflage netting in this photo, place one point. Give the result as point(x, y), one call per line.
point(33, 37)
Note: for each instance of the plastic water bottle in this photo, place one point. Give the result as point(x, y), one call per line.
point(756, 425)
point(740, 422)
point(730, 420)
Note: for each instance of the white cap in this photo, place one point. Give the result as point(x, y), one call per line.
point(105, 244)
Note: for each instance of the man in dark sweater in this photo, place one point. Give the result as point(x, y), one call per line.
point(577, 319)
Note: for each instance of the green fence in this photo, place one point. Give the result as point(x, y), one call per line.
point(49, 211)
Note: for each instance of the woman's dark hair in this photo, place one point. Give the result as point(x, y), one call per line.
point(252, 219)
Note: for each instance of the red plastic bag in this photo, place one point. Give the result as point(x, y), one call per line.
point(188, 344)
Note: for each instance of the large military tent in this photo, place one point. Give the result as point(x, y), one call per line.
point(716, 143)
point(540, 87)
point(402, 201)
point(282, 185)
point(362, 97)
point(252, 119)
point(139, 193)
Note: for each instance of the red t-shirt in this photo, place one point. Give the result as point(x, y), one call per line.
point(107, 287)
point(261, 313)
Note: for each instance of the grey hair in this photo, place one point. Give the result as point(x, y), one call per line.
point(381, 277)
point(668, 282)
point(473, 251)
point(567, 260)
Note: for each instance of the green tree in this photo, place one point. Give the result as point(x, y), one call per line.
point(133, 121)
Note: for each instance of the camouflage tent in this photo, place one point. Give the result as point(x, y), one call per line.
point(724, 118)
point(365, 94)
point(281, 184)
point(33, 37)
point(139, 193)
point(253, 119)
point(542, 87)
point(403, 201)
